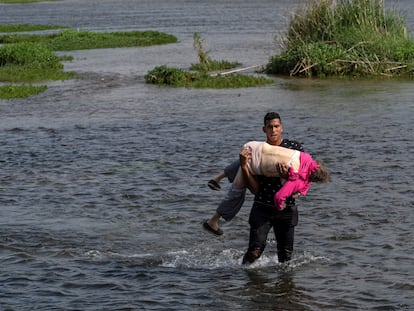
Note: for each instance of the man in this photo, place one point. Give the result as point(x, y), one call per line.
point(233, 201)
point(264, 214)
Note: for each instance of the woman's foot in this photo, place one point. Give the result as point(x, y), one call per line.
point(214, 185)
point(212, 224)
point(209, 228)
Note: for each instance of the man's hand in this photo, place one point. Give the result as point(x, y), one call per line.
point(250, 180)
point(245, 156)
point(282, 170)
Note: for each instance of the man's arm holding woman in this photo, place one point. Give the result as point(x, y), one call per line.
point(249, 179)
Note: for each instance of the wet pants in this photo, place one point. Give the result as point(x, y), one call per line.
point(262, 219)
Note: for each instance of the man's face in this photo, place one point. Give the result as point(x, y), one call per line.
point(273, 130)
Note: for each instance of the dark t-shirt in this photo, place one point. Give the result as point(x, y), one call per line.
point(268, 186)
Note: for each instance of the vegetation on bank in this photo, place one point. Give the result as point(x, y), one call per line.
point(345, 38)
point(27, 27)
point(29, 58)
point(200, 75)
point(24, 1)
point(20, 91)
point(68, 40)
point(28, 63)
point(163, 75)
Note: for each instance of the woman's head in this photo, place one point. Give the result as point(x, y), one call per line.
point(321, 174)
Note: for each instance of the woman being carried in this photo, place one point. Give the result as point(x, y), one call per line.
point(302, 169)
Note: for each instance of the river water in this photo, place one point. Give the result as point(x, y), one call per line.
point(103, 179)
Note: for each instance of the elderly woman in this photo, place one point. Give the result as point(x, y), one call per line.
point(302, 169)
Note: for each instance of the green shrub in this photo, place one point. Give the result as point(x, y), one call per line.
point(29, 55)
point(168, 75)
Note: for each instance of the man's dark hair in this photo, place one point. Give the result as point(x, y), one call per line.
point(271, 116)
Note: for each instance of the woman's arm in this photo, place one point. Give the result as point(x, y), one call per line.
point(249, 179)
point(288, 189)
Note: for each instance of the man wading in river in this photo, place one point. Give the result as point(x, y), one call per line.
point(263, 215)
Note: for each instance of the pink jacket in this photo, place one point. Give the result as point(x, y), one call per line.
point(297, 182)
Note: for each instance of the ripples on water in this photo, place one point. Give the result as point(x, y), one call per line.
point(103, 179)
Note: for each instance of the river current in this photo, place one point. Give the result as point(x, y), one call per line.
point(103, 180)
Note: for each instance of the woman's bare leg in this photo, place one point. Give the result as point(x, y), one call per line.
point(239, 180)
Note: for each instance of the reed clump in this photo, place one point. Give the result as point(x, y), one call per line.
point(345, 38)
point(205, 62)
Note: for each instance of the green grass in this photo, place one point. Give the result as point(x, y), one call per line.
point(214, 65)
point(357, 38)
point(24, 1)
point(28, 63)
point(163, 75)
point(26, 27)
point(27, 74)
point(20, 91)
point(28, 58)
point(68, 40)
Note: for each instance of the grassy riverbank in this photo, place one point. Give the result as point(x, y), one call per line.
point(20, 91)
point(68, 40)
point(356, 38)
point(25, 1)
point(29, 58)
point(27, 27)
point(28, 63)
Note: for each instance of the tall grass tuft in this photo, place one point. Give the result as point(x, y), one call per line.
point(205, 62)
point(345, 38)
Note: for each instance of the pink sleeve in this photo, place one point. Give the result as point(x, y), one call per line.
point(289, 188)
